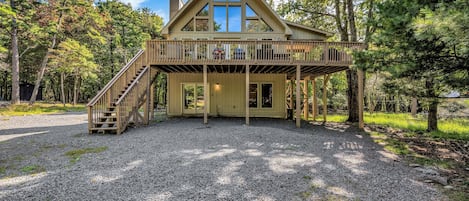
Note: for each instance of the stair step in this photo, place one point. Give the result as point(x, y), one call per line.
point(109, 117)
point(104, 129)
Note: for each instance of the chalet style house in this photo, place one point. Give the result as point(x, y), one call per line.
point(223, 58)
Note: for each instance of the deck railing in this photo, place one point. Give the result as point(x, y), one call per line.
point(251, 52)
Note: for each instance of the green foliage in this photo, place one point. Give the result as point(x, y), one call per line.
point(456, 128)
point(102, 37)
point(33, 169)
point(39, 108)
point(424, 47)
point(75, 155)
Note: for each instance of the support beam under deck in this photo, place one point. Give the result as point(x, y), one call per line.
point(247, 94)
point(298, 95)
point(205, 96)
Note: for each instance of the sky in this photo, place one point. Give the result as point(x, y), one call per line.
point(160, 7)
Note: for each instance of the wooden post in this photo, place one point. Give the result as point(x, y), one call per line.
point(306, 99)
point(298, 95)
point(361, 76)
point(315, 100)
point(146, 108)
point(205, 96)
point(324, 97)
point(152, 100)
point(291, 94)
point(90, 119)
point(247, 94)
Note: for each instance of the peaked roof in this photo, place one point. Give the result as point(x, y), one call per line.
point(286, 24)
point(190, 3)
point(326, 33)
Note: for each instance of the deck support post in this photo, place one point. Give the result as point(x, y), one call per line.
point(298, 95)
point(152, 100)
point(315, 99)
point(306, 98)
point(247, 94)
point(361, 76)
point(324, 97)
point(292, 83)
point(146, 107)
point(205, 96)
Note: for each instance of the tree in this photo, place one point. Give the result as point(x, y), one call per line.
point(15, 60)
point(341, 14)
point(424, 44)
point(75, 59)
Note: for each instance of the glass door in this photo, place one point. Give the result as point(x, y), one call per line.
point(193, 98)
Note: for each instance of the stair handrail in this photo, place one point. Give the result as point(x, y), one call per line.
point(135, 82)
point(114, 79)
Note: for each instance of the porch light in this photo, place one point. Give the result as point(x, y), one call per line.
point(217, 86)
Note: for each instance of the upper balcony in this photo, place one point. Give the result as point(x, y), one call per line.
point(313, 54)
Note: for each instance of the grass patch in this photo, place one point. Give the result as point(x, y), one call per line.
point(339, 118)
point(40, 108)
point(456, 128)
point(425, 161)
point(3, 170)
point(392, 145)
point(17, 158)
point(466, 102)
point(457, 195)
point(75, 155)
point(304, 195)
point(33, 169)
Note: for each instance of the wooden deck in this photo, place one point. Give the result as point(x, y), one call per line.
point(315, 57)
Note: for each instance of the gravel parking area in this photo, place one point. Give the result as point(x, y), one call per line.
point(181, 159)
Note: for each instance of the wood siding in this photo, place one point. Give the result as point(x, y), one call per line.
point(228, 99)
point(304, 34)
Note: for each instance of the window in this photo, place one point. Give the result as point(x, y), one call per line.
point(265, 91)
point(200, 22)
point(266, 95)
point(253, 95)
point(254, 23)
point(227, 18)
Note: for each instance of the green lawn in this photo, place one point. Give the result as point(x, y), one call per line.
point(457, 128)
point(40, 108)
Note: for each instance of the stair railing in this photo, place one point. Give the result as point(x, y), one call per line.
point(129, 103)
point(104, 100)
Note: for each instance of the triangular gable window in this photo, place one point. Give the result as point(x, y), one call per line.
point(254, 23)
point(203, 12)
point(200, 22)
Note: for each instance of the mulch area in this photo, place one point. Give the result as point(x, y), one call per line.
point(455, 152)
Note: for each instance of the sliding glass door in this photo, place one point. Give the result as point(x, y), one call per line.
point(193, 98)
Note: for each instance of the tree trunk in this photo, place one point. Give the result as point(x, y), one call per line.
point(40, 73)
point(15, 61)
point(433, 107)
point(338, 20)
point(75, 88)
point(413, 109)
point(352, 92)
point(62, 88)
point(433, 116)
point(351, 21)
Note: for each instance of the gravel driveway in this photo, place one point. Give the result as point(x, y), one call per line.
point(181, 159)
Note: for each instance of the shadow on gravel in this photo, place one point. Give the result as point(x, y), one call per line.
point(182, 159)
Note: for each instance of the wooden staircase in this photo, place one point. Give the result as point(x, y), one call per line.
point(118, 104)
